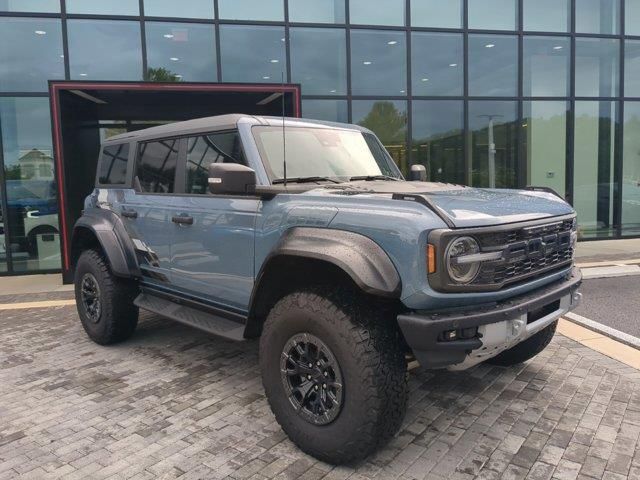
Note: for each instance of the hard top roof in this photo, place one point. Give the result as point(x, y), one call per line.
point(220, 122)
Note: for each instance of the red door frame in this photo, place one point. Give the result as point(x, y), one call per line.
point(55, 87)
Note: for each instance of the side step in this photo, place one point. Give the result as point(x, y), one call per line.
point(193, 317)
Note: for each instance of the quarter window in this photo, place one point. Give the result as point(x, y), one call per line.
point(113, 164)
point(203, 150)
point(156, 169)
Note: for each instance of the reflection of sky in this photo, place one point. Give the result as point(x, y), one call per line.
point(25, 125)
point(378, 63)
point(432, 118)
point(323, 11)
point(493, 65)
point(102, 7)
point(503, 111)
point(366, 12)
point(436, 13)
point(437, 63)
point(546, 15)
point(330, 110)
point(272, 10)
point(181, 9)
point(492, 14)
point(252, 53)
point(30, 54)
point(46, 6)
point(105, 50)
point(590, 15)
point(546, 66)
point(184, 49)
point(597, 67)
point(318, 60)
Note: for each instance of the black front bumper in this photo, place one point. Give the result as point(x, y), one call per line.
point(423, 329)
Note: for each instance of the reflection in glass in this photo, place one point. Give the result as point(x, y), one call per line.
point(493, 65)
point(437, 63)
point(119, 56)
point(30, 53)
point(316, 11)
point(632, 68)
point(597, 71)
point(324, 72)
point(632, 17)
point(252, 54)
point(546, 15)
point(389, 12)
point(378, 62)
point(438, 142)
point(182, 9)
point(30, 185)
point(594, 150)
point(100, 7)
point(546, 66)
point(388, 120)
point(45, 6)
point(598, 16)
point(436, 13)
point(631, 170)
point(544, 143)
point(266, 10)
point(180, 52)
point(493, 14)
point(329, 110)
point(492, 144)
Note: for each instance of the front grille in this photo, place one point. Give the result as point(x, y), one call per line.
point(527, 251)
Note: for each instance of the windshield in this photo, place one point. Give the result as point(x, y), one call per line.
point(321, 152)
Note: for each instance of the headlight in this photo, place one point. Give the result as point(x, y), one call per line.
point(461, 267)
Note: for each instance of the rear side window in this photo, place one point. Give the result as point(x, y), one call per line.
point(203, 150)
point(113, 164)
point(156, 165)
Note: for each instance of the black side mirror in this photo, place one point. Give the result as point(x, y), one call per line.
point(418, 173)
point(231, 179)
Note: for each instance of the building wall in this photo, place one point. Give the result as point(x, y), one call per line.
point(555, 83)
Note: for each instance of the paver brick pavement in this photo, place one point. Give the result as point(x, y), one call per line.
point(173, 402)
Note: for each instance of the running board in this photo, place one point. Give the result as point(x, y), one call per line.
point(209, 322)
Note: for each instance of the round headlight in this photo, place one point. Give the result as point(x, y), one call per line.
point(462, 270)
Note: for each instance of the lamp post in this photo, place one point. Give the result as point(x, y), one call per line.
point(491, 150)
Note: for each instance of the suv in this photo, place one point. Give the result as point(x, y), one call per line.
point(305, 234)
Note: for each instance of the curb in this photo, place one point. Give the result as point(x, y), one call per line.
point(612, 333)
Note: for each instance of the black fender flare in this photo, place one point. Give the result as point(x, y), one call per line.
point(108, 229)
point(366, 263)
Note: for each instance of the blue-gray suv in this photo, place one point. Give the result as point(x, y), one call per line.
point(306, 234)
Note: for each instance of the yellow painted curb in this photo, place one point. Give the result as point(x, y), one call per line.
point(605, 345)
point(44, 304)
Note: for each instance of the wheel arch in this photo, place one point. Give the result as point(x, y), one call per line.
point(309, 256)
point(99, 228)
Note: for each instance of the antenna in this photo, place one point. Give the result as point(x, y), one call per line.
point(284, 144)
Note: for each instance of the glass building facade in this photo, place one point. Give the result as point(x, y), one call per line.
point(546, 92)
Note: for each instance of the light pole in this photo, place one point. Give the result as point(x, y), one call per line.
point(491, 150)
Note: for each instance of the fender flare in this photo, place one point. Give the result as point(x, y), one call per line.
point(108, 229)
point(366, 263)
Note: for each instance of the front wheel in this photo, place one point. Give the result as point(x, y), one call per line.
point(527, 349)
point(334, 374)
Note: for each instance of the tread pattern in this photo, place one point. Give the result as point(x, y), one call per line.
point(527, 349)
point(373, 340)
point(119, 316)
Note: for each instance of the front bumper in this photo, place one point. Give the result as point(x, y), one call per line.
point(500, 326)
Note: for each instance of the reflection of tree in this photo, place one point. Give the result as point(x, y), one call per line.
point(161, 74)
point(390, 125)
point(13, 172)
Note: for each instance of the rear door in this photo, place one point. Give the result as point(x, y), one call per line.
point(147, 210)
point(213, 254)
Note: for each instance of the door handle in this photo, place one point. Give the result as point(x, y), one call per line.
point(182, 219)
point(129, 213)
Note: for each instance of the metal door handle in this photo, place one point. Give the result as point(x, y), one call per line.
point(129, 213)
point(182, 219)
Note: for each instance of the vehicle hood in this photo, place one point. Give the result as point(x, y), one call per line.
point(462, 206)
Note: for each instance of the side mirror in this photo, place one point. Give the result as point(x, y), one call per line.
point(418, 173)
point(231, 179)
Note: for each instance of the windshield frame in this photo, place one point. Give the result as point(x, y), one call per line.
point(389, 163)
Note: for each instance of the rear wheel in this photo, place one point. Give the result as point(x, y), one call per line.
point(527, 349)
point(104, 302)
point(334, 374)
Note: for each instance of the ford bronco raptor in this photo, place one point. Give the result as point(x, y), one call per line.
point(306, 234)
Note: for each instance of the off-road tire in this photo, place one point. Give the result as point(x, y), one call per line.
point(367, 346)
point(118, 316)
point(527, 349)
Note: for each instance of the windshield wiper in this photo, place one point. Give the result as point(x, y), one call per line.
point(305, 180)
point(373, 177)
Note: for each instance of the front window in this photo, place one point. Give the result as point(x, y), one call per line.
point(321, 152)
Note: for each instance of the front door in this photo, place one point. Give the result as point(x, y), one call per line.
point(212, 255)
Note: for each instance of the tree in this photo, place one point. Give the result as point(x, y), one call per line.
point(386, 121)
point(161, 74)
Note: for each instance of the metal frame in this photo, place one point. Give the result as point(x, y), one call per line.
point(407, 29)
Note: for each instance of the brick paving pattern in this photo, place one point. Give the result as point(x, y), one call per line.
point(175, 403)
